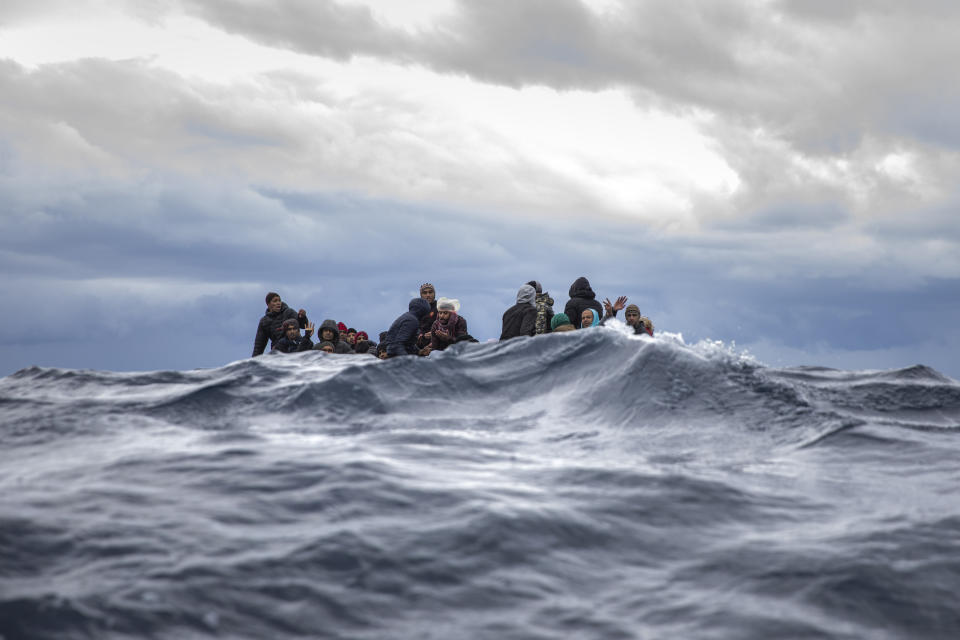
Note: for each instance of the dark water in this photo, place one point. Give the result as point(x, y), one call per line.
point(586, 485)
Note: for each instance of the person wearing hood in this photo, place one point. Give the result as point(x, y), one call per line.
point(292, 341)
point(403, 333)
point(449, 327)
point(270, 327)
point(521, 318)
point(581, 297)
point(561, 323)
point(544, 308)
point(589, 318)
point(330, 332)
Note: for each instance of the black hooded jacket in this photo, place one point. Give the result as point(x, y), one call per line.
point(339, 345)
point(402, 334)
point(271, 327)
point(582, 298)
point(521, 318)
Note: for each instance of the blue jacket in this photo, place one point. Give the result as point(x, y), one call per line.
point(402, 334)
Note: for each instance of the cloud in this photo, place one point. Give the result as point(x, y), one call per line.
point(780, 174)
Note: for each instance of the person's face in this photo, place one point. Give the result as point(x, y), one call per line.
point(327, 349)
point(443, 314)
point(382, 355)
point(632, 318)
point(428, 294)
point(275, 304)
point(293, 332)
point(352, 338)
point(586, 319)
point(327, 334)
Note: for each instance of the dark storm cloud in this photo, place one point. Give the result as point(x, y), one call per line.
point(820, 75)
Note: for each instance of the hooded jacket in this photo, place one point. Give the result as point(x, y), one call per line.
point(402, 334)
point(521, 318)
point(271, 327)
point(339, 346)
point(581, 297)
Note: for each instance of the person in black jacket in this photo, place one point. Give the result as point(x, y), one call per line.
point(521, 318)
point(403, 333)
point(270, 326)
point(581, 297)
point(292, 341)
point(429, 293)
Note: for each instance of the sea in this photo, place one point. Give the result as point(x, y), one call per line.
point(592, 484)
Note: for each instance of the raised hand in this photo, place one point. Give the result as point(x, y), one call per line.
point(309, 329)
point(620, 303)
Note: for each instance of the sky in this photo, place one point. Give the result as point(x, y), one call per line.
point(778, 175)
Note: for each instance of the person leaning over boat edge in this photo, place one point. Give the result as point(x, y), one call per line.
point(403, 333)
point(270, 326)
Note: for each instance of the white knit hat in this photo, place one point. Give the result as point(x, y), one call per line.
point(448, 303)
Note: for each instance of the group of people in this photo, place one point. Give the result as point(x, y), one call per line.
point(432, 324)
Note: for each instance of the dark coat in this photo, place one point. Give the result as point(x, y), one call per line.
point(519, 320)
point(425, 323)
point(271, 327)
point(365, 347)
point(582, 297)
point(459, 331)
point(286, 345)
point(340, 345)
point(402, 334)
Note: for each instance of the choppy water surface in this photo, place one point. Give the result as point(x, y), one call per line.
point(584, 485)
